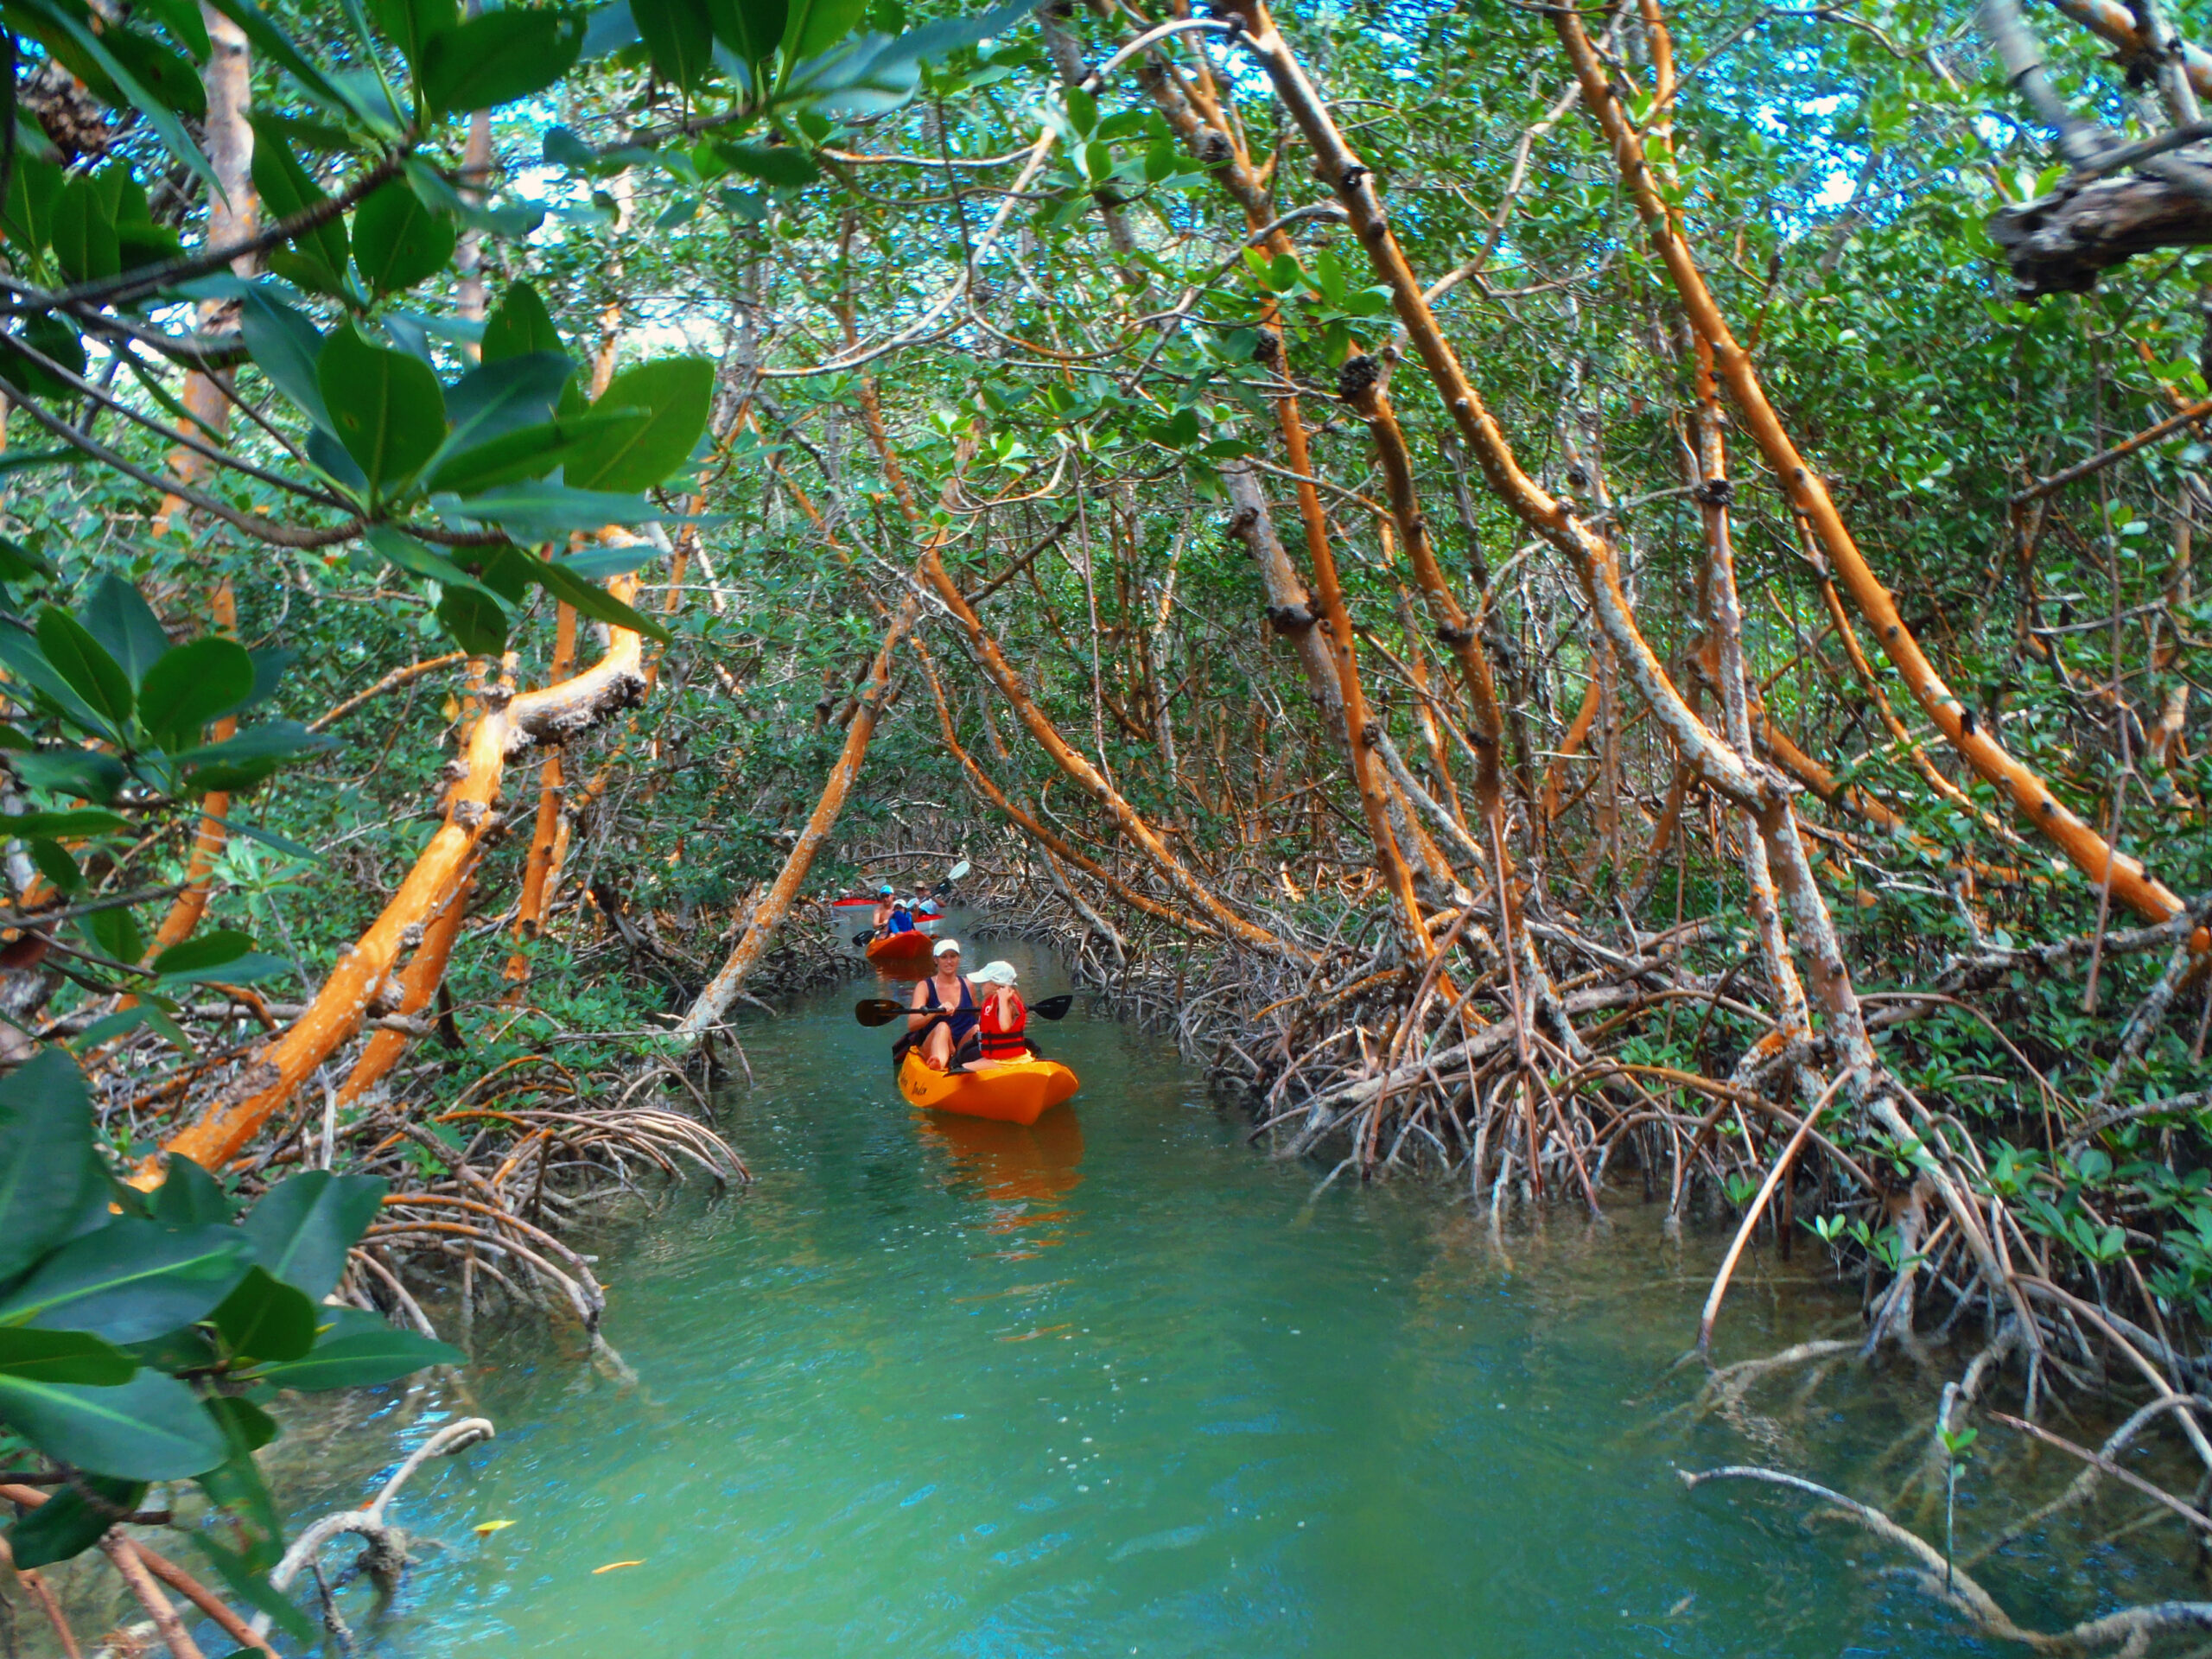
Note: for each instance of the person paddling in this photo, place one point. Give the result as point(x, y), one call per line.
point(948, 989)
point(892, 915)
point(1003, 1020)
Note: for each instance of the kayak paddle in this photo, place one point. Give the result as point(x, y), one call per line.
point(951, 876)
point(882, 1010)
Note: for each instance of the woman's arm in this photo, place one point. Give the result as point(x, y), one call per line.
point(914, 1020)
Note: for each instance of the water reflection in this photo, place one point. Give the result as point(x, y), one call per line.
point(1021, 1174)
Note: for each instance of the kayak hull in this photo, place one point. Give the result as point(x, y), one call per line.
point(1020, 1092)
point(907, 953)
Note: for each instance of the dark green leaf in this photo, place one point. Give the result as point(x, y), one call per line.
point(242, 971)
point(677, 392)
point(131, 1280)
point(532, 452)
point(45, 1156)
point(302, 1230)
point(397, 241)
point(361, 1359)
point(537, 511)
point(189, 1195)
point(70, 772)
point(814, 26)
point(419, 560)
point(85, 244)
point(70, 1523)
point(150, 1428)
point(610, 30)
point(498, 57)
point(477, 622)
point(773, 164)
point(33, 189)
point(83, 821)
point(93, 673)
point(409, 24)
point(521, 325)
point(751, 28)
point(62, 1356)
point(678, 38)
point(115, 934)
point(21, 563)
point(119, 617)
point(386, 406)
point(192, 685)
point(284, 346)
point(592, 601)
point(609, 559)
point(236, 1485)
point(48, 337)
point(562, 148)
point(502, 396)
point(207, 950)
point(317, 259)
point(266, 1318)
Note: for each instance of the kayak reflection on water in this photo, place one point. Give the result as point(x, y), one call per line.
point(1029, 1169)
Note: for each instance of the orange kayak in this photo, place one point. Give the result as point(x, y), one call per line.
point(907, 953)
point(1021, 1091)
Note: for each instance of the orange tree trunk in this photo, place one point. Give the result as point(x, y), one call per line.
point(2089, 851)
point(508, 726)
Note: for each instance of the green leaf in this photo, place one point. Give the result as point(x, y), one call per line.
point(207, 950)
point(502, 396)
point(302, 1230)
point(150, 1428)
point(266, 1318)
point(317, 258)
point(386, 406)
point(360, 1360)
point(598, 563)
point(814, 26)
point(85, 244)
point(83, 821)
point(520, 326)
point(193, 685)
point(530, 453)
point(189, 1195)
point(131, 1280)
point(678, 38)
point(119, 617)
point(537, 511)
point(419, 560)
point(250, 756)
point(285, 346)
point(72, 772)
point(69, 1522)
point(236, 1485)
point(773, 164)
point(63, 1356)
point(50, 338)
point(21, 563)
point(592, 601)
point(498, 57)
point(115, 934)
point(46, 1157)
point(84, 663)
point(751, 28)
point(33, 189)
point(409, 24)
point(477, 622)
point(397, 241)
point(677, 392)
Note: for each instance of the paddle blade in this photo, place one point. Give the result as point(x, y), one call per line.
point(863, 936)
point(1053, 1008)
point(877, 1010)
point(957, 871)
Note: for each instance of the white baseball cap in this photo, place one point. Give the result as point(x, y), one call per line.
point(943, 945)
point(994, 972)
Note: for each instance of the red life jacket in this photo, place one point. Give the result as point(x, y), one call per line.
point(1003, 1042)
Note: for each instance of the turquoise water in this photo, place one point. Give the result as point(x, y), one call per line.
point(1121, 1385)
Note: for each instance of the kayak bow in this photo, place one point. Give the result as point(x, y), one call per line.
point(1021, 1091)
point(900, 952)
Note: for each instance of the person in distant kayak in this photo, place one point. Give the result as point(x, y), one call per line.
point(892, 913)
point(1003, 1018)
point(948, 1043)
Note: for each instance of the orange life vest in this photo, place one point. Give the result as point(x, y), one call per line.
point(1003, 1042)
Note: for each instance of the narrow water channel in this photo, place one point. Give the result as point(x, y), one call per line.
point(1116, 1385)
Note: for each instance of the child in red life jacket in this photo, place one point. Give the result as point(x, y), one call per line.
point(1004, 1018)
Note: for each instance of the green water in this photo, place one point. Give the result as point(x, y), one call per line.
point(1121, 1385)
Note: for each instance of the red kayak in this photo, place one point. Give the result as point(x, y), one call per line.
point(902, 953)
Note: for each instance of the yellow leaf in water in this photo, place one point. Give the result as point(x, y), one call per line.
point(485, 1528)
point(611, 1566)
